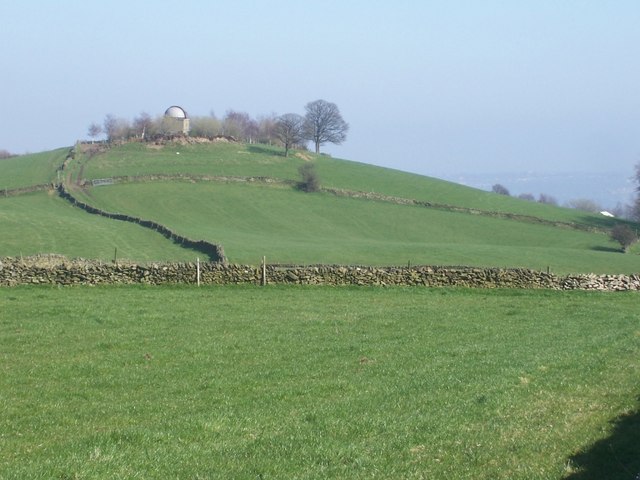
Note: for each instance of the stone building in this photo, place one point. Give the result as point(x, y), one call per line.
point(175, 121)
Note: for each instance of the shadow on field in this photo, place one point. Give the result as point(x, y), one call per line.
point(616, 457)
point(264, 150)
point(607, 249)
point(601, 222)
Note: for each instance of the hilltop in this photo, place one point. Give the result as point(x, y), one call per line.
point(245, 197)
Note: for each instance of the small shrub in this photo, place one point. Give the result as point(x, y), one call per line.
point(624, 235)
point(500, 189)
point(547, 199)
point(584, 205)
point(310, 181)
point(527, 196)
point(6, 154)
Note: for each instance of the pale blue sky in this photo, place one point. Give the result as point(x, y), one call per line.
point(433, 87)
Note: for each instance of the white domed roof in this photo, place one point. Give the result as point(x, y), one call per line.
point(175, 112)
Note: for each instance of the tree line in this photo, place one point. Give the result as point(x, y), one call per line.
point(322, 123)
point(583, 204)
point(6, 154)
point(622, 233)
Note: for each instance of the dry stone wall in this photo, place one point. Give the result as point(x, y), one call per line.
point(12, 192)
point(58, 270)
point(214, 251)
point(451, 208)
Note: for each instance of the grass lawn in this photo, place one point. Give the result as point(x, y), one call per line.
point(285, 382)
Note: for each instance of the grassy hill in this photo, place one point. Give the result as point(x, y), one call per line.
point(232, 159)
point(246, 381)
point(460, 225)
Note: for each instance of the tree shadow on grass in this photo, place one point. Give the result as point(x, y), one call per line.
point(616, 457)
point(607, 249)
point(265, 150)
point(601, 222)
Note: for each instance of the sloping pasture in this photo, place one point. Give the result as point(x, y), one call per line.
point(31, 169)
point(44, 223)
point(233, 159)
point(289, 226)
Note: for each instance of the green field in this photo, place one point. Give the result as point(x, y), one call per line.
point(292, 382)
point(301, 382)
point(44, 223)
point(252, 220)
point(32, 169)
point(260, 160)
point(293, 227)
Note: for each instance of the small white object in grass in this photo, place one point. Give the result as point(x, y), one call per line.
point(177, 153)
point(607, 214)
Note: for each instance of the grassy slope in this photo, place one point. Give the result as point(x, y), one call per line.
point(31, 169)
point(291, 226)
point(287, 226)
point(211, 159)
point(249, 160)
point(44, 223)
point(315, 383)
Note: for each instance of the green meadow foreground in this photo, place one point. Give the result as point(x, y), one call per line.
point(294, 382)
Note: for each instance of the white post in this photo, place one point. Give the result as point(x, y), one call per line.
point(264, 271)
point(198, 268)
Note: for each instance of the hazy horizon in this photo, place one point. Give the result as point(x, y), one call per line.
point(437, 88)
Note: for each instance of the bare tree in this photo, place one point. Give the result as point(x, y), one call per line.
point(547, 199)
point(635, 207)
point(527, 196)
point(500, 190)
point(6, 154)
point(623, 210)
point(109, 126)
point(205, 126)
point(251, 131)
point(289, 130)
point(94, 131)
point(239, 125)
point(584, 205)
point(267, 128)
point(624, 235)
point(142, 124)
point(323, 123)
point(116, 128)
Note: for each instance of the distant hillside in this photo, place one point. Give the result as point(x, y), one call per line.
point(606, 189)
point(245, 198)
